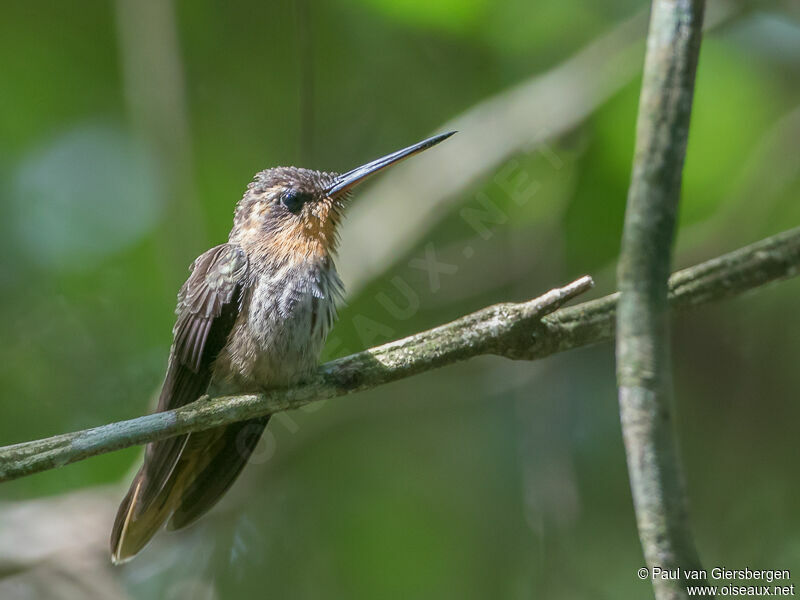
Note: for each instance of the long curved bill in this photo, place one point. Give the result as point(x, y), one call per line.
point(349, 180)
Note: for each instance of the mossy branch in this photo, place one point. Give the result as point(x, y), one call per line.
point(644, 373)
point(518, 331)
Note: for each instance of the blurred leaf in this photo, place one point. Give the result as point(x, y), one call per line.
point(734, 104)
point(543, 27)
point(721, 137)
point(87, 193)
point(445, 15)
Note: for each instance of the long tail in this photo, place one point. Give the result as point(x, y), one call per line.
point(209, 463)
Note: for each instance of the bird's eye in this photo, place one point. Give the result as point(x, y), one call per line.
point(293, 200)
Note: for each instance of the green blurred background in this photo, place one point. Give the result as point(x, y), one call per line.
point(128, 131)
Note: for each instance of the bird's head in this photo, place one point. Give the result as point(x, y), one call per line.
point(294, 213)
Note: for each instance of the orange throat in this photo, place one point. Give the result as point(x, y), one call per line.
point(311, 235)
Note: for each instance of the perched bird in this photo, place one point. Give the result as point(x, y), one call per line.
point(253, 314)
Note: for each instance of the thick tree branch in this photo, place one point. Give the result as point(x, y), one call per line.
point(644, 373)
point(517, 331)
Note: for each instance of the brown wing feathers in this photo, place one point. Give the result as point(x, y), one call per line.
point(208, 304)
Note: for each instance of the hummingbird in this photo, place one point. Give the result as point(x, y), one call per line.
point(253, 315)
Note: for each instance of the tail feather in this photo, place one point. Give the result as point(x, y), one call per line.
point(230, 454)
point(132, 531)
point(209, 463)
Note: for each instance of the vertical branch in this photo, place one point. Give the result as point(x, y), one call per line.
point(643, 366)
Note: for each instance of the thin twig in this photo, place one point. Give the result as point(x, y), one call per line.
point(517, 331)
point(644, 373)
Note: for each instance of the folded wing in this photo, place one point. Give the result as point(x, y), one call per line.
point(208, 305)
